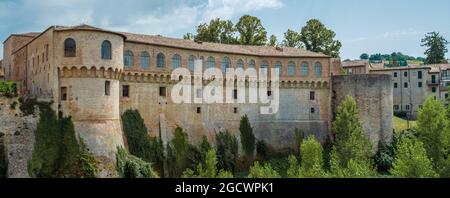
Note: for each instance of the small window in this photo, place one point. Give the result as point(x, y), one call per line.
point(312, 95)
point(176, 61)
point(211, 62)
point(191, 64)
point(199, 110)
point(419, 74)
point(235, 94)
point(405, 74)
point(269, 93)
point(405, 85)
point(433, 89)
point(419, 84)
point(162, 91)
point(407, 107)
point(128, 58)
point(318, 69)
point(106, 50)
point(235, 110)
point(160, 60)
point(126, 91)
point(395, 85)
point(63, 93)
point(70, 48)
point(240, 64)
point(396, 107)
point(395, 74)
point(313, 110)
point(446, 95)
point(107, 88)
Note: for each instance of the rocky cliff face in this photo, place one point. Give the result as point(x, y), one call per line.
point(17, 133)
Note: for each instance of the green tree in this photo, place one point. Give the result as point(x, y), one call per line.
point(412, 160)
point(436, 48)
point(263, 171)
point(247, 137)
point(188, 36)
point(210, 170)
point(317, 38)
point(433, 130)
point(292, 39)
point(312, 159)
point(273, 42)
point(364, 56)
point(217, 31)
point(227, 150)
point(251, 31)
point(129, 166)
point(351, 155)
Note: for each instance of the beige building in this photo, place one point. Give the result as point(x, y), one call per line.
point(94, 75)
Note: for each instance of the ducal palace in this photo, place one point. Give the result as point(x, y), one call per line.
point(94, 75)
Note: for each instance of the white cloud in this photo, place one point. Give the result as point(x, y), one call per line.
point(226, 9)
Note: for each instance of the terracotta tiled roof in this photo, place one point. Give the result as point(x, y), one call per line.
point(432, 68)
point(217, 47)
point(355, 63)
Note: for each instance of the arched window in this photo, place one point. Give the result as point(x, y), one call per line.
point(252, 64)
point(176, 61)
point(318, 69)
point(145, 60)
point(106, 50)
point(264, 67)
point(70, 48)
point(191, 62)
point(291, 68)
point(211, 62)
point(128, 58)
point(160, 60)
point(279, 66)
point(226, 63)
point(240, 64)
point(305, 69)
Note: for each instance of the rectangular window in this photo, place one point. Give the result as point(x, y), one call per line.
point(269, 93)
point(63, 93)
point(395, 85)
point(405, 74)
point(126, 91)
point(419, 74)
point(235, 94)
point(162, 91)
point(313, 110)
point(199, 110)
point(235, 110)
point(405, 85)
point(312, 95)
point(395, 74)
point(407, 107)
point(199, 93)
point(46, 52)
point(107, 88)
point(433, 89)
point(446, 95)
point(433, 79)
point(419, 84)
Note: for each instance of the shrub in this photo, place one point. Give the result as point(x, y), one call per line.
point(8, 89)
point(210, 170)
point(385, 156)
point(57, 153)
point(180, 153)
point(13, 105)
point(299, 136)
point(263, 171)
point(227, 150)
point(27, 105)
point(150, 149)
point(261, 149)
point(247, 137)
point(3, 161)
point(129, 166)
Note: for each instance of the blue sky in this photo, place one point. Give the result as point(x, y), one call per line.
point(361, 25)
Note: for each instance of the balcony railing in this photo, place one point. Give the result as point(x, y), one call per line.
point(432, 82)
point(445, 78)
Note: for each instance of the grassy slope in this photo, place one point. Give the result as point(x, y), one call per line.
point(400, 124)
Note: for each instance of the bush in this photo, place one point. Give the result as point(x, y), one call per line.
point(129, 166)
point(181, 154)
point(385, 156)
point(263, 171)
point(210, 170)
point(247, 137)
point(57, 153)
point(150, 149)
point(8, 89)
point(261, 149)
point(227, 151)
point(27, 105)
point(13, 105)
point(3, 161)
point(401, 114)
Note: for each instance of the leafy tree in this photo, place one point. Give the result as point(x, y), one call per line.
point(385, 156)
point(299, 136)
point(263, 171)
point(261, 149)
point(412, 160)
point(292, 39)
point(188, 36)
point(437, 47)
point(317, 38)
point(129, 166)
point(227, 150)
point(179, 153)
point(433, 130)
point(294, 169)
point(364, 56)
point(351, 155)
point(273, 42)
point(312, 160)
point(217, 31)
point(210, 170)
point(247, 137)
point(251, 31)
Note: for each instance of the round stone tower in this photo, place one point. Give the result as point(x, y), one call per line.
point(89, 65)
